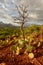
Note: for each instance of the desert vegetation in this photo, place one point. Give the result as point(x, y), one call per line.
point(13, 46)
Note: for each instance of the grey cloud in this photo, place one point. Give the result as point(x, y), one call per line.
point(7, 7)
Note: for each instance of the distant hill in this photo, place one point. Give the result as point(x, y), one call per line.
point(26, 24)
point(5, 25)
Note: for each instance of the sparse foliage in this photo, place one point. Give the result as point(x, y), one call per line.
point(22, 17)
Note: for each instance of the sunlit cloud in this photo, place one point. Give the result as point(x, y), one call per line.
point(33, 16)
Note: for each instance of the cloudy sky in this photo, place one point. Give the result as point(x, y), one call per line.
point(8, 10)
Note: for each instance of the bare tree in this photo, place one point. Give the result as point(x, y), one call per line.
point(22, 17)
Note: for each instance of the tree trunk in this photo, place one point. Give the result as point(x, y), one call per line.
point(22, 30)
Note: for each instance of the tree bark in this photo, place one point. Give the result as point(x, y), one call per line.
point(22, 29)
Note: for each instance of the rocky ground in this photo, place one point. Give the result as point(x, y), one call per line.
point(8, 58)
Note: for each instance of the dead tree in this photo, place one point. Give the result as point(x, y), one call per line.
point(22, 17)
